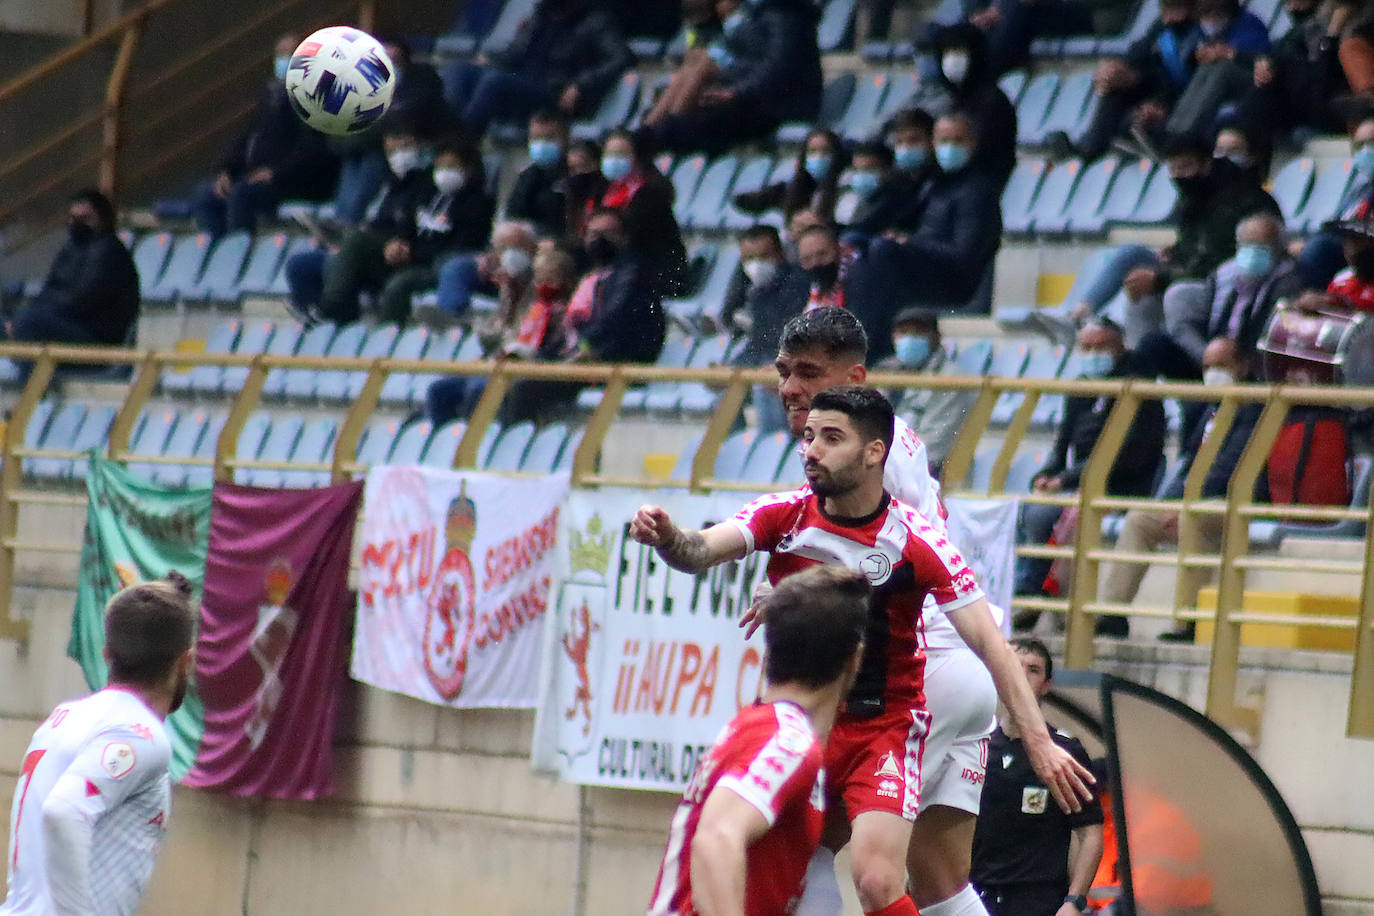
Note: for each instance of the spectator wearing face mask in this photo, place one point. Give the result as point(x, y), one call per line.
point(583, 185)
point(1146, 530)
point(277, 158)
point(1231, 41)
point(1245, 147)
point(888, 199)
point(911, 133)
point(615, 314)
point(1321, 256)
point(820, 256)
point(937, 416)
point(814, 184)
point(766, 294)
point(1296, 82)
point(966, 76)
point(1101, 353)
point(539, 196)
point(636, 188)
point(502, 270)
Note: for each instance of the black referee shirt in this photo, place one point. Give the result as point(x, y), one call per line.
point(1022, 836)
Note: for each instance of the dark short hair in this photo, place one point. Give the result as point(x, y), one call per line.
point(875, 150)
point(815, 620)
point(926, 318)
point(468, 153)
point(1188, 144)
point(638, 142)
point(867, 408)
point(760, 232)
point(912, 119)
point(833, 331)
point(1032, 646)
point(104, 209)
point(147, 628)
point(550, 116)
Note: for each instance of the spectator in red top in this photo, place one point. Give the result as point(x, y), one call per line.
point(638, 189)
point(1353, 287)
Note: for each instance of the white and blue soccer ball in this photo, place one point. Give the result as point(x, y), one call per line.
point(340, 80)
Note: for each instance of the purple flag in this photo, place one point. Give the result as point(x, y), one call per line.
point(270, 659)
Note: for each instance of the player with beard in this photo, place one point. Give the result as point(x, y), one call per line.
point(846, 517)
point(90, 809)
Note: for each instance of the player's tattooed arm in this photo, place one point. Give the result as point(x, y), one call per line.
point(686, 550)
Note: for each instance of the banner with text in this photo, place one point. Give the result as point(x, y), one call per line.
point(984, 530)
point(642, 665)
point(456, 574)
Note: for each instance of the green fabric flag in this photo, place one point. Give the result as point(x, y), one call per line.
point(136, 531)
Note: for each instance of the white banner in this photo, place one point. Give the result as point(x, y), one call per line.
point(457, 572)
point(643, 665)
point(984, 530)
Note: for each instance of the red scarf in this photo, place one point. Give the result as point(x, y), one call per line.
point(620, 193)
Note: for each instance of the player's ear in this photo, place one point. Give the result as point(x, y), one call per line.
point(857, 374)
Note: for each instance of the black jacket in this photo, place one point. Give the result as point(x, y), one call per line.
point(655, 235)
point(401, 199)
point(960, 230)
point(896, 204)
point(565, 44)
point(452, 223)
point(539, 197)
point(778, 69)
point(1146, 57)
point(993, 114)
point(302, 166)
point(1207, 222)
point(627, 324)
point(93, 284)
point(1137, 462)
point(769, 307)
point(1219, 474)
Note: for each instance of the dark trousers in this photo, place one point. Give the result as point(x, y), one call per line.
point(711, 129)
point(1037, 523)
point(1024, 899)
point(480, 94)
point(1111, 117)
point(35, 324)
point(1321, 259)
point(239, 211)
point(454, 398)
point(1158, 354)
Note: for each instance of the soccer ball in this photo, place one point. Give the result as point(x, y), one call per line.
point(340, 80)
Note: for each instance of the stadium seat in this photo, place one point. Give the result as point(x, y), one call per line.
point(313, 342)
point(860, 117)
point(833, 32)
point(150, 257)
point(264, 262)
point(834, 100)
point(249, 446)
point(1264, 10)
point(59, 434)
point(313, 447)
point(542, 455)
point(513, 15)
point(484, 448)
point(282, 436)
point(1116, 45)
point(94, 433)
point(509, 452)
point(712, 193)
point(695, 397)
point(278, 286)
point(645, 47)
point(615, 109)
point(1124, 196)
point(733, 454)
point(256, 337)
point(182, 270)
point(1084, 211)
point(203, 475)
point(783, 172)
point(1022, 471)
point(1069, 104)
point(332, 384)
point(1325, 198)
point(1044, 361)
point(410, 345)
point(37, 427)
point(686, 175)
point(1291, 186)
point(661, 396)
point(1034, 107)
point(766, 457)
point(1012, 84)
point(1019, 195)
point(442, 448)
point(751, 177)
point(709, 298)
point(1361, 472)
point(980, 472)
point(903, 85)
point(379, 344)
point(973, 358)
point(569, 453)
point(218, 282)
point(443, 347)
point(222, 339)
point(182, 443)
point(1049, 214)
point(1158, 200)
point(682, 468)
point(151, 439)
point(376, 442)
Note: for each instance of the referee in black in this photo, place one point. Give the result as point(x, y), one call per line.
point(1029, 857)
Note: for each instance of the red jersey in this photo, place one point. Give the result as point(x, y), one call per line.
point(905, 559)
point(768, 756)
point(1358, 293)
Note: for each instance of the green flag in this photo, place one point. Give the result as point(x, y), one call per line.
point(136, 531)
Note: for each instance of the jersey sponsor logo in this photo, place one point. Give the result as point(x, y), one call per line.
point(1033, 799)
point(889, 788)
point(887, 766)
point(118, 759)
point(969, 774)
point(877, 567)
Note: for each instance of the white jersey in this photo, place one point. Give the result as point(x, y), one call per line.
point(90, 809)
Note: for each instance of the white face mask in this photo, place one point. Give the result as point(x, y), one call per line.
point(449, 181)
point(515, 262)
point(1216, 376)
point(760, 271)
point(954, 64)
point(403, 161)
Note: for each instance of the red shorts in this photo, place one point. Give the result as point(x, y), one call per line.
point(875, 764)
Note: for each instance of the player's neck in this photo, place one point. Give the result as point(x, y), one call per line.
point(157, 700)
point(819, 705)
point(862, 502)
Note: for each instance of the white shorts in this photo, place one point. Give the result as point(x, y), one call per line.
point(963, 712)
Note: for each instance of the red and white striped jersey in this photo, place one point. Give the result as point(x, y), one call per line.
point(768, 756)
point(904, 557)
point(90, 809)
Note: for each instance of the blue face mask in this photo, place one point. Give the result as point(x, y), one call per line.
point(818, 165)
point(912, 350)
point(951, 156)
point(910, 158)
point(616, 168)
point(1255, 261)
point(1364, 160)
point(864, 183)
point(544, 152)
point(280, 64)
point(1096, 364)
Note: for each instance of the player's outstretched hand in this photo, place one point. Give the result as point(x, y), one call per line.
point(751, 620)
point(652, 527)
point(1067, 779)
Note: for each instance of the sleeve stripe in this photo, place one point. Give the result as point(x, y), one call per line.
point(961, 601)
point(748, 533)
point(767, 775)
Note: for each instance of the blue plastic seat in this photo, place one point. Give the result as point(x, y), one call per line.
point(218, 282)
point(712, 193)
point(442, 348)
point(59, 434)
point(542, 455)
point(410, 444)
point(569, 453)
point(733, 455)
point(834, 100)
point(1157, 203)
point(1044, 361)
point(1084, 212)
point(1116, 45)
point(313, 447)
point(766, 457)
point(256, 337)
point(313, 342)
point(615, 109)
point(264, 263)
point(376, 442)
point(860, 118)
point(1127, 189)
point(711, 296)
point(442, 448)
point(833, 32)
point(682, 468)
point(1325, 198)
point(696, 397)
point(182, 270)
point(182, 443)
point(660, 396)
point(1049, 213)
point(903, 84)
point(1022, 471)
point(751, 177)
point(279, 286)
point(150, 257)
point(1012, 84)
point(1070, 102)
point(222, 339)
point(151, 439)
point(509, 452)
point(281, 440)
point(973, 358)
point(94, 433)
point(1018, 197)
point(1034, 107)
point(503, 33)
point(203, 475)
point(1291, 187)
point(410, 345)
point(686, 175)
point(334, 384)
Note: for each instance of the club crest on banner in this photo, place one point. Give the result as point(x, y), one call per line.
point(450, 619)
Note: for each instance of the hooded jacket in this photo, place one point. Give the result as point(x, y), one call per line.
point(979, 96)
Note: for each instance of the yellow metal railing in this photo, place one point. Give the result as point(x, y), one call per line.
point(1234, 560)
